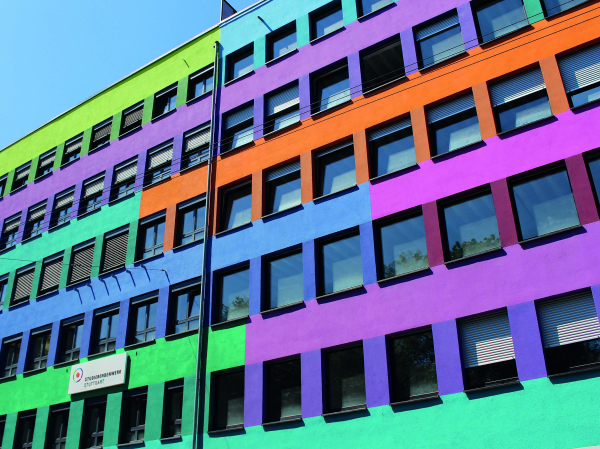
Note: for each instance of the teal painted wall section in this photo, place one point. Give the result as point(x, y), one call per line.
point(41, 426)
point(75, 423)
point(534, 10)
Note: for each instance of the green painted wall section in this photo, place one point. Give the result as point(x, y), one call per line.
point(534, 10)
point(226, 348)
point(41, 425)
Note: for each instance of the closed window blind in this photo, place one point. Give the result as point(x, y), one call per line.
point(160, 157)
point(93, 186)
point(334, 148)
point(390, 129)
point(81, 263)
point(73, 145)
point(238, 117)
point(282, 100)
point(23, 283)
point(283, 171)
point(451, 108)
point(486, 339)
point(36, 213)
point(517, 87)
point(196, 139)
point(51, 273)
point(125, 171)
point(434, 28)
point(64, 199)
point(22, 173)
point(101, 131)
point(12, 224)
point(581, 69)
point(47, 160)
point(115, 250)
point(132, 115)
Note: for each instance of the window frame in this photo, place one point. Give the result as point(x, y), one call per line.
point(110, 236)
point(194, 205)
point(235, 57)
point(326, 362)
point(268, 366)
point(219, 276)
point(94, 145)
point(547, 14)
point(101, 345)
point(36, 363)
point(227, 198)
point(70, 354)
point(25, 179)
point(145, 224)
point(78, 248)
point(369, 86)
point(40, 171)
point(3, 290)
point(136, 305)
point(3, 180)
point(93, 202)
point(34, 228)
point(134, 398)
point(276, 36)
point(320, 266)
point(171, 389)
point(56, 219)
point(49, 260)
point(137, 124)
point(22, 417)
point(52, 440)
point(161, 172)
point(482, 4)
point(241, 129)
point(128, 183)
point(271, 120)
point(319, 166)
point(201, 76)
point(7, 241)
point(214, 398)
point(361, 13)
point(72, 156)
point(321, 13)
point(13, 366)
point(170, 94)
point(186, 289)
point(29, 269)
point(266, 297)
point(201, 153)
point(98, 435)
point(317, 88)
point(437, 19)
point(270, 187)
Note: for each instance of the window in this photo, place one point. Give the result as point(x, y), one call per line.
point(240, 63)
point(439, 41)
point(3, 185)
point(544, 204)
point(2, 426)
point(93, 422)
point(115, 250)
point(284, 395)
point(368, 6)
point(132, 118)
point(11, 348)
point(570, 332)
point(581, 76)
point(282, 109)
point(23, 283)
point(151, 236)
point(165, 101)
point(326, 21)
point(50, 277)
point(557, 6)
point(487, 350)
point(233, 296)
point(173, 409)
point(392, 148)
point(281, 42)
point(497, 18)
point(40, 345)
point(284, 280)
point(101, 134)
point(340, 264)
point(91, 195)
point(21, 177)
point(191, 220)
point(59, 421)
point(144, 314)
point(200, 83)
point(382, 64)
point(35, 221)
point(335, 169)
point(3, 290)
point(46, 163)
point(159, 164)
point(82, 258)
point(25, 429)
point(228, 400)
point(331, 89)
point(236, 207)
point(63, 203)
point(470, 226)
point(187, 309)
point(283, 188)
point(345, 379)
point(412, 366)
point(593, 165)
point(196, 144)
point(134, 416)
point(105, 328)
point(124, 179)
point(11, 231)
point(71, 334)
point(238, 130)
point(72, 149)
point(453, 125)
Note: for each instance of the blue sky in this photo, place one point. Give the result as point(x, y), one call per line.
point(55, 54)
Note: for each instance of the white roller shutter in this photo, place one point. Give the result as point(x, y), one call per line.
point(280, 101)
point(580, 69)
point(240, 116)
point(160, 157)
point(23, 283)
point(486, 339)
point(51, 273)
point(434, 28)
point(283, 171)
point(390, 129)
point(450, 108)
point(517, 87)
point(93, 187)
point(81, 263)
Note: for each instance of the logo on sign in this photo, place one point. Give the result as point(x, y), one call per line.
point(78, 375)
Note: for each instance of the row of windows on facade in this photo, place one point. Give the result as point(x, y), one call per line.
point(132, 426)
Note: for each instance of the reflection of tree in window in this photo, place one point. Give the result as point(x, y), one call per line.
point(406, 262)
point(240, 303)
point(473, 246)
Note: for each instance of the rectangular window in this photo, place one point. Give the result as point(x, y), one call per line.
point(2, 426)
point(382, 64)
point(469, 226)
point(144, 314)
point(392, 148)
point(487, 350)
point(72, 149)
point(173, 409)
point(191, 218)
point(326, 20)
point(412, 366)
point(114, 254)
point(284, 393)
point(50, 277)
point(165, 101)
point(132, 118)
point(282, 109)
point(35, 221)
point(25, 429)
point(236, 207)
point(124, 178)
point(23, 283)
point(570, 332)
point(151, 236)
point(91, 194)
point(11, 347)
point(336, 170)
point(439, 40)
point(544, 204)
point(340, 265)
point(196, 145)
point(593, 165)
point(159, 164)
point(3, 289)
point(40, 346)
point(345, 379)
point(21, 177)
point(57, 426)
point(105, 330)
point(10, 232)
point(238, 130)
point(368, 6)
point(94, 414)
point(46, 163)
point(240, 63)
point(283, 188)
point(557, 6)
point(71, 334)
point(284, 280)
point(233, 294)
point(101, 134)
point(227, 400)
point(453, 125)
point(331, 89)
point(497, 18)
point(187, 302)
point(63, 204)
point(82, 258)
point(3, 185)
point(200, 83)
point(580, 73)
point(281, 42)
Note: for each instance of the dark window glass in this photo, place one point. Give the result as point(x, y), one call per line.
point(132, 118)
point(336, 170)
point(556, 6)
point(72, 149)
point(327, 21)
point(285, 280)
point(196, 146)
point(525, 110)
point(412, 366)
point(25, 429)
point(20, 178)
point(499, 17)
point(382, 65)
point(439, 41)
point(10, 357)
point(283, 189)
point(200, 84)
point(46, 163)
point(57, 435)
point(228, 400)
point(188, 309)
point(281, 42)
point(331, 89)
point(159, 164)
point(145, 322)
point(191, 222)
point(152, 237)
point(3, 289)
point(106, 331)
point(340, 264)
point(35, 221)
point(93, 424)
point(165, 101)
point(124, 179)
point(284, 395)
point(470, 227)
point(71, 338)
point(234, 295)
point(10, 231)
point(240, 64)
point(236, 207)
point(173, 413)
point(544, 204)
point(101, 134)
point(2, 426)
point(345, 379)
point(572, 357)
point(489, 375)
point(63, 205)
point(403, 248)
point(133, 417)
point(40, 345)
point(3, 186)
point(369, 6)
point(392, 152)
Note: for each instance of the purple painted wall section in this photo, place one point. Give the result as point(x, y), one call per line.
point(177, 152)
point(527, 341)
point(355, 76)
point(376, 379)
point(596, 294)
point(435, 251)
point(162, 312)
point(312, 387)
point(467, 26)
point(582, 189)
point(304, 87)
point(409, 51)
point(259, 117)
point(253, 395)
point(447, 357)
point(504, 213)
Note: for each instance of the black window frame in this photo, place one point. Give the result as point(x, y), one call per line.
point(201, 76)
point(3, 180)
point(45, 169)
point(277, 35)
point(124, 187)
point(163, 100)
point(28, 270)
point(194, 206)
point(243, 129)
point(446, 122)
point(519, 102)
point(199, 154)
point(10, 367)
point(271, 185)
point(216, 377)
point(143, 303)
point(371, 85)
point(97, 434)
point(96, 144)
point(24, 180)
point(54, 441)
point(265, 302)
point(326, 353)
point(3, 291)
point(217, 315)
point(271, 393)
point(316, 86)
point(191, 289)
point(136, 124)
point(134, 400)
point(321, 13)
point(362, 13)
point(549, 14)
point(75, 154)
point(2, 426)
point(45, 263)
point(84, 246)
point(331, 156)
point(9, 239)
point(57, 217)
point(70, 353)
point(101, 345)
point(319, 263)
point(455, 52)
point(236, 56)
point(229, 195)
point(270, 120)
point(172, 389)
point(40, 361)
point(93, 202)
point(109, 236)
point(482, 4)
point(162, 171)
point(34, 227)
point(22, 441)
point(152, 222)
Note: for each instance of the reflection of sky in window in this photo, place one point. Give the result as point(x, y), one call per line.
point(235, 293)
point(440, 46)
point(457, 135)
point(338, 175)
point(501, 18)
point(243, 66)
point(373, 5)
point(395, 152)
point(284, 45)
point(335, 90)
point(286, 283)
point(287, 195)
point(342, 267)
point(329, 23)
point(402, 240)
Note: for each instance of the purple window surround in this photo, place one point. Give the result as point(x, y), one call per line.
point(312, 385)
point(467, 26)
point(253, 395)
point(309, 270)
point(23, 352)
point(304, 87)
point(86, 339)
point(255, 286)
point(124, 308)
point(162, 312)
point(596, 295)
point(52, 351)
point(259, 117)
point(108, 180)
point(141, 170)
point(409, 51)
point(367, 249)
point(354, 75)
point(435, 251)
point(76, 200)
point(376, 373)
point(177, 152)
point(504, 213)
point(447, 358)
point(527, 341)
point(582, 189)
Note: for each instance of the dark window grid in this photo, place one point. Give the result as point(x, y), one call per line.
point(21, 177)
point(135, 418)
point(490, 35)
point(2, 426)
point(291, 180)
point(236, 206)
point(145, 325)
point(240, 63)
point(326, 21)
point(61, 215)
point(158, 174)
point(124, 179)
point(35, 222)
point(227, 399)
point(187, 314)
point(334, 79)
point(152, 238)
point(106, 332)
point(72, 335)
point(281, 42)
point(132, 118)
point(382, 65)
point(92, 195)
point(173, 415)
point(196, 147)
point(123, 188)
point(200, 84)
point(26, 427)
point(267, 300)
point(3, 186)
point(10, 232)
point(192, 223)
point(95, 415)
point(91, 203)
point(57, 435)
point(46, 164)
point(353, 389)
point(10, 357)
point(450, 31)
point(39, 350)
point(101, 134)
point(236, 282)
point(338, 162)
point(165, 101)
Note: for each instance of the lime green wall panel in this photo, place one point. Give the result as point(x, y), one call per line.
point(226, 348)
point(41, 425)
point(33, 169)
point(182, 87)
point(148, 107)
point(60, 149)
point(75, 424)
point(9, 182)
point(115, 128)
point(87, 140)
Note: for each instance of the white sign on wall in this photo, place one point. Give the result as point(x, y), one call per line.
point(102, 373)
